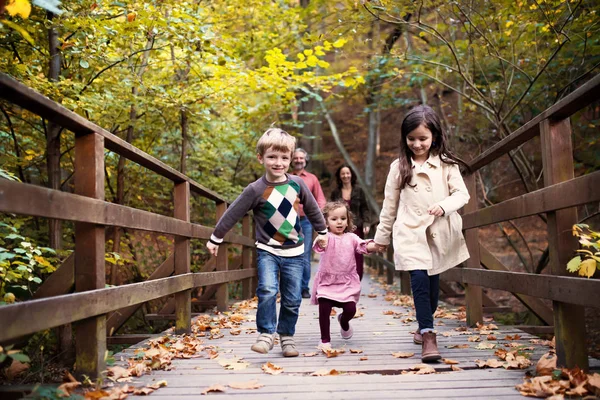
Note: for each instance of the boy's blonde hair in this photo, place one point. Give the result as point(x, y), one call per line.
point(334, 205)
point(277, 139)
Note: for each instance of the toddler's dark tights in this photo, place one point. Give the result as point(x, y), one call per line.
point(325, 306)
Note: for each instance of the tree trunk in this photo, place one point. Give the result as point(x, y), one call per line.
point(53, 136)
point(121, 173)
point(184, 140)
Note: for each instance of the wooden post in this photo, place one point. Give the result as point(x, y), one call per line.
point(183, 302)
point(222, 294)
point(247, 258)
point(405, 283)
point(390, 270)
point(569, 319)
point(90, 334)
point(473, 297)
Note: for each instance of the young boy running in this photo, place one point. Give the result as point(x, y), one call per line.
point(275, 200)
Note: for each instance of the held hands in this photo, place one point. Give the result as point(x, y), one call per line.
point(212, 248)
point(436, 210)
point(373, 247)
point(322, 241)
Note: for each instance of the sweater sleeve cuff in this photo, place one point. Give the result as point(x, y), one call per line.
point(215, 240)
point(324, 232)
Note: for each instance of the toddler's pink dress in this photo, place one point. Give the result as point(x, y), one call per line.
point(337, 278)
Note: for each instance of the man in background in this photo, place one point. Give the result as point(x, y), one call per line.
point(299, 161)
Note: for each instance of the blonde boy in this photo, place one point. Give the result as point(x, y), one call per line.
point(275, 200)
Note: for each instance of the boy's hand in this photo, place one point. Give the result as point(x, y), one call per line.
point(436, 210)
point(322, 241)
point(371, 247)
point(212, 248)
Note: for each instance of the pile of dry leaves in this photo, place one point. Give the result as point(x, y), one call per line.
point(555, 384)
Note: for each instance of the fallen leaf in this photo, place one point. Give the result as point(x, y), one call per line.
point(144, 391)
point(323, 372)
point(272, 369)
point(546, 364)
point(372, 295)
point(214, 388)
point(492, 363)
point(491, 337)
point(254, 384)
point(333, 352)
point(458, 346)
point(455, 368)
point(449, 361)
point(235, 331)
point(423, 369)
point(388, 312)
point(158, 384)
point(66, 389)
point(485, 346)
point(15, 369)
point(593, 383)
point(474, 339)
point(234, 364)
point(363, 358)
point(401, 354)
point(98, 394)
point(309, 354)
point(356, 351)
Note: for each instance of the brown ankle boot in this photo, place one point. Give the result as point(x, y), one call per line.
point(430, 349)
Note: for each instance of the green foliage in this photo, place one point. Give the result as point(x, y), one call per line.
point(588, 260)
point(23, 264)
point(8, 352)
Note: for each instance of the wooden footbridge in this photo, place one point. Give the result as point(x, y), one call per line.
point(97, 312)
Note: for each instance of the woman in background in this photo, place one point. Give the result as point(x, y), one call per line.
point(347, 191)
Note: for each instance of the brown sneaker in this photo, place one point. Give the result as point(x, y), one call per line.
point(430, 351)
point(418, 338)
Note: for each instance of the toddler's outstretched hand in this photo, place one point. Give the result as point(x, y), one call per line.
point(212, 248)
point(322, 241)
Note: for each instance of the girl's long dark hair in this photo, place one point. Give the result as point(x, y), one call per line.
point(417, 116)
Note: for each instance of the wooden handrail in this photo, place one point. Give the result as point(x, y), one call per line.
point(27, 98)
point(27, 199)
point(54, 311)
point(564, 108)
point(550, 198)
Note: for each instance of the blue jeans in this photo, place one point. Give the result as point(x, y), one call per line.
point(426, 292)
point(276, 273)
point(307, 230)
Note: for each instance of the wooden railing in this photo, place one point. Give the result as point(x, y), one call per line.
point(558, 200)
point(89, 306)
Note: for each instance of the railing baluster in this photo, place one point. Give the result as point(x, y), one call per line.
point(246, 257)
point(222, 294)
point(569, 319)
point(473, 296)
point(90, 334)
point(183, 306)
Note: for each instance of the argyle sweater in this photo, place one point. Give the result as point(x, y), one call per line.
point(276, 214)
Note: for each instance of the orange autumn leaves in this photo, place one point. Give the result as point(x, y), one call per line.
point(557, 383)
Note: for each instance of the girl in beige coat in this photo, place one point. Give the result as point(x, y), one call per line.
point(423, 192)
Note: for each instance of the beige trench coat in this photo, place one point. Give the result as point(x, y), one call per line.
point(422, 241)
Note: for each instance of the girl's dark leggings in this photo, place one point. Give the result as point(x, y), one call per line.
point(426, 292)
point(325, 306)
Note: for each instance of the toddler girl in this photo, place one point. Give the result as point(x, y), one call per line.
point(337, 283)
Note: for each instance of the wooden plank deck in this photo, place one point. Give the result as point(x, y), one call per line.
point(376, 334)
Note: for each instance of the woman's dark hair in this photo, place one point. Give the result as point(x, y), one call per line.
point(417, 116)
point(339, 180)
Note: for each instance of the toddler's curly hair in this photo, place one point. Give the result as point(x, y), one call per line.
point(334, 205)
